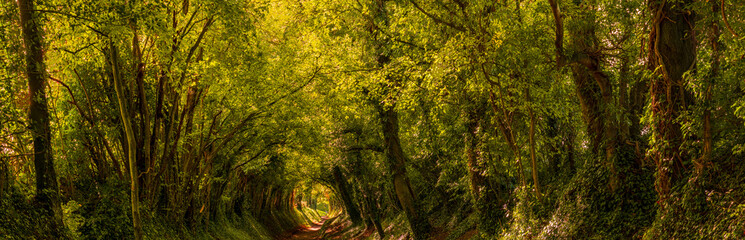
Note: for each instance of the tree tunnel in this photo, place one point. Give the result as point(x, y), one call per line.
point(315, 202)
point(379, 119)
point(333, 197)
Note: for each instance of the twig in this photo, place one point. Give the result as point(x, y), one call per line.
point(726, 23)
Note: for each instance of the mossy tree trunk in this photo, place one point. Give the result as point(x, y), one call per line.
point(130, 140)
point(47, 189)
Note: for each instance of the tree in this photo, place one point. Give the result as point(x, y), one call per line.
point(47, 190)
point(672, 53)
point(389, 123)
point(130, 140)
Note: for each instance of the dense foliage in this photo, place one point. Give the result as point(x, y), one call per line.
point(506, 119)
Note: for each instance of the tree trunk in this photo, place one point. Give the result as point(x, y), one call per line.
point(594, 88)
point(485, 197)
point(47, 190)
point(131, 142)
point(534, 167)
point(505, 124)
point(672, 52)
point(389, 123)
point(397, 161)
point(143, 150)
point(373, 211)
point(346, 197)
point(713, 75)
point(473, 155)
point(5, 178)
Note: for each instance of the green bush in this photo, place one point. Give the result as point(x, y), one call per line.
point(107, 216)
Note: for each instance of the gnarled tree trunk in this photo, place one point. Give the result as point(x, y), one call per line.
point(672, 52)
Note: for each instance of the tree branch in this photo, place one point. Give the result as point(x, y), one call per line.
point(255, 156)
point(437, 19)
point(362, 148)
point(726, 23)
point(559, 29)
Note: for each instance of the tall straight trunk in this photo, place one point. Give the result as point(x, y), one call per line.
point(168, 165)
point(672, 52)
point(533, 165)
point(156, 179)
point(190, 165)
point(157, 118)
point(47, 190)
point(131, 143)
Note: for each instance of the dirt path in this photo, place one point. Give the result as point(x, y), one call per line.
point(310, 232)
point(328, 229)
